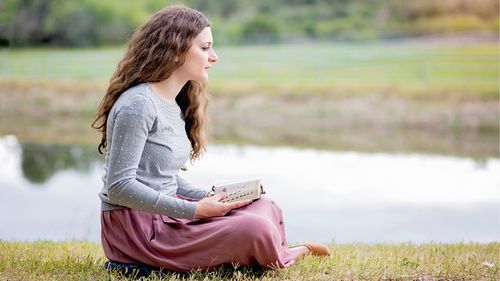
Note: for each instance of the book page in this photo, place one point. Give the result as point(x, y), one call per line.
point(238, 190)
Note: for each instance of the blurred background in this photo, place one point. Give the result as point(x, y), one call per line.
point(368, 121)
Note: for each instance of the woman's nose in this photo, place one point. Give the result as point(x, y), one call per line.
point(213, 57)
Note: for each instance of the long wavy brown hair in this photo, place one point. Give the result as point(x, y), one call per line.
point(154, 52)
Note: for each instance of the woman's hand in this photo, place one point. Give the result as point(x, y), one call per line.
point(211, 207)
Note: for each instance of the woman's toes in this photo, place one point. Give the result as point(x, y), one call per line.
point(318, 249)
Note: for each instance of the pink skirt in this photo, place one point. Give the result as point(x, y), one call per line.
point(253, 235)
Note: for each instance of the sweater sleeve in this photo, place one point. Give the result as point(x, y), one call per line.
point(132, 124)
point(184, 188)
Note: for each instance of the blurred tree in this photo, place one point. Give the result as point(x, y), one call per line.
point(426, 16)
point(96, 22)
point(22, 21)
point(40, 162)
point(73, 24)
point(221, 8)
point(263, 28)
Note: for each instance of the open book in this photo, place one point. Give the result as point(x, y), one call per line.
point(238, 190)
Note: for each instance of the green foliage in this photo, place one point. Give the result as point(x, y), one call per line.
point(453, 23)
point(73, 23)
point(263, 28)
point(94, 22)
point(40, 162)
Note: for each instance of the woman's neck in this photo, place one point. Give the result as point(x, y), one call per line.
point(169, 88)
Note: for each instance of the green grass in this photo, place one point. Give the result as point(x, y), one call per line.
point(372, 97)
point(84, 261)
point(413, 70)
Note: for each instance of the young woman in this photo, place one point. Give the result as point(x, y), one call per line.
point(152, 120)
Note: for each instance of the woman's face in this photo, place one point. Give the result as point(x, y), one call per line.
point(199, 58)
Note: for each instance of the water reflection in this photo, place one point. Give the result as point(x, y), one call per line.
point(339, 196)
point(41, 161)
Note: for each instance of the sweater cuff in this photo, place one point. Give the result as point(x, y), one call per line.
point(190, 210)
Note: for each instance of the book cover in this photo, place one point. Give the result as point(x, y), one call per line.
point(238, 190)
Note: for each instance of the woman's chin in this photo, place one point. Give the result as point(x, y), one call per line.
point(202, 79)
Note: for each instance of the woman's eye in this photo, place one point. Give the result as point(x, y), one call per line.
point(205, 48)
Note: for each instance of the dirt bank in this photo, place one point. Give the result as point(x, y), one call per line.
point(62, 112)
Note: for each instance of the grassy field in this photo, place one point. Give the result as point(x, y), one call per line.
point(430, 71)
point(84, 261)
point(395, 97)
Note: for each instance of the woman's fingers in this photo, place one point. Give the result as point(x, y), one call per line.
point(236, 205)
point(211, 207)
point(219, 196)
point(227, 207)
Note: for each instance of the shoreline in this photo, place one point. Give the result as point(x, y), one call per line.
point(62, 112)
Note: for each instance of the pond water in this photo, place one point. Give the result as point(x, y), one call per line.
point(50, 192)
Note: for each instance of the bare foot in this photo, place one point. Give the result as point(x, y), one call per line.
point(300, 250)
point(315, 249)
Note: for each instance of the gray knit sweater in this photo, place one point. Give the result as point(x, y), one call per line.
point(146, 147)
